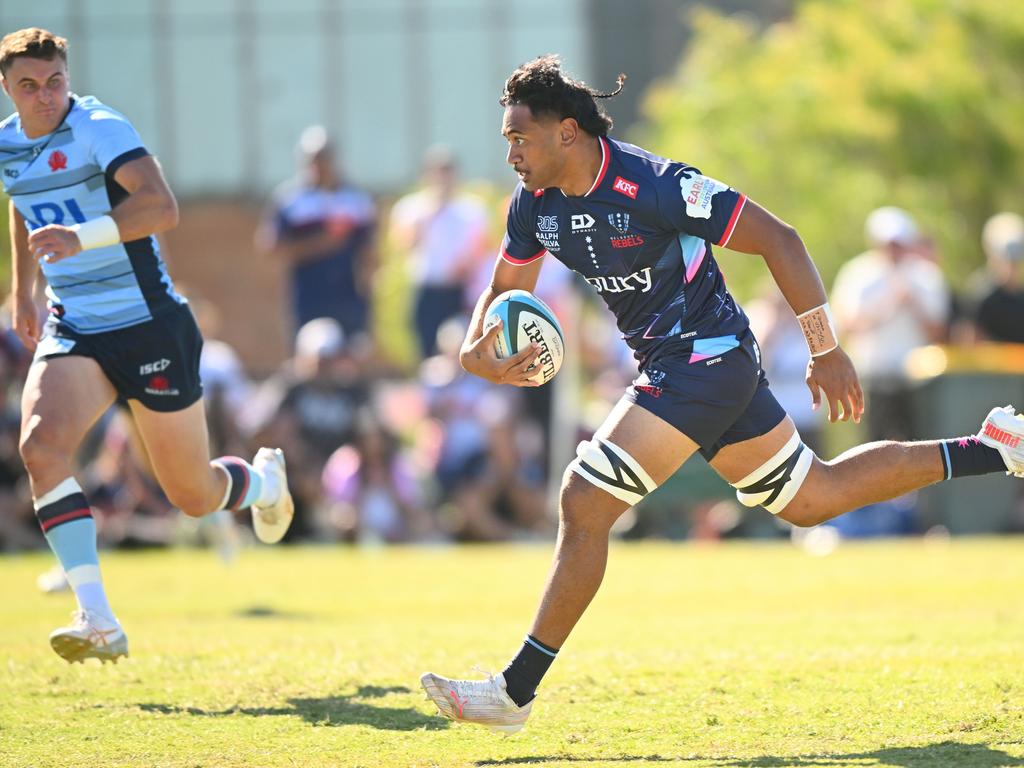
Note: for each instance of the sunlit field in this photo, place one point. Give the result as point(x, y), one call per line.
point(891, 654)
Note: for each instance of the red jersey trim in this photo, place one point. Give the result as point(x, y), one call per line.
point(520, 262)
point(606, 155)
point(732, 221)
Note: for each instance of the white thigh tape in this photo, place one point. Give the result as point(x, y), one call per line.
point(612, 469)
point(774, 484)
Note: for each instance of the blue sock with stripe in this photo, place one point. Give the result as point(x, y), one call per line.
point(245, 484)
point(525, 671)
point(66, 520)
point(965, 456)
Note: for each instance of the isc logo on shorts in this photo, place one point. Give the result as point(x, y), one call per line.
point(159, 365)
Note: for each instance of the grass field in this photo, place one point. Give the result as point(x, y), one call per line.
point(892, 654)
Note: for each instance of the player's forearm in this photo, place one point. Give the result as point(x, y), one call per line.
point(25, 268)
point(794, 271)
point(476, 323)
point(145, 212)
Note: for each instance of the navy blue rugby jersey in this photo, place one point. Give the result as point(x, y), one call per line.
point(642, 237)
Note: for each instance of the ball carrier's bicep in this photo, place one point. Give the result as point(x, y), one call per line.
point(478, 354)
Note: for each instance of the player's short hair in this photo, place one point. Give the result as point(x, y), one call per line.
point(543, 87)
point(34, 43)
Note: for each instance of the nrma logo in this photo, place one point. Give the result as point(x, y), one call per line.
point(42, 214)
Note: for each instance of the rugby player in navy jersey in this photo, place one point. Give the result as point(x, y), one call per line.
point(640, 229)
point(86, 199)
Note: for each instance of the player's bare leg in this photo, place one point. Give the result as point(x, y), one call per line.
point(62, 399)
point(178, 446)
point(586, 515)
point(871, 472)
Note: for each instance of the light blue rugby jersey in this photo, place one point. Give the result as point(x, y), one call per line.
point(66, 177)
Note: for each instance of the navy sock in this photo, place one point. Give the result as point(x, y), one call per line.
point(524, 672)
point(965, 456)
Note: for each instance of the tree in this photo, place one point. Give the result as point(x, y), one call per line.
point(850, 105)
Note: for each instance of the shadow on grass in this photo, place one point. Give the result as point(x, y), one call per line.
point(947, 753)
point(328, 711)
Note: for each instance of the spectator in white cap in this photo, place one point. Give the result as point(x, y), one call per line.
point(888, 301)
point(999, 312)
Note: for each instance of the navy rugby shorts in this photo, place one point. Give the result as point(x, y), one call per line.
point(715, 402)
point(155, 362)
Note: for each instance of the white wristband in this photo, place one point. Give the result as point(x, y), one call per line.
point(97, 233)
point(819, 330)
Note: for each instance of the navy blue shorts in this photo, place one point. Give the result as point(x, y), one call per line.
point(155, 362)
point(715, 402)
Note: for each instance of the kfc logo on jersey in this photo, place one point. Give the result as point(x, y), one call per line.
point(547, 232)
point(627, 188)
point(58, 161)
point(698, 192)
point(582, 222)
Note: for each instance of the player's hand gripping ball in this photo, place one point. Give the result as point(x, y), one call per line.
point(527, 319)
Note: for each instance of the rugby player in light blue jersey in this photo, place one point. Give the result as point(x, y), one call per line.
point(640, 229)
point(86, 200)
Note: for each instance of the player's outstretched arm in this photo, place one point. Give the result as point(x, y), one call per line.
point(478, 355)
point(24, 312)
point(829, 370)
point(148, 208)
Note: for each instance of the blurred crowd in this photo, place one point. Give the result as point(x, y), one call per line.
point(379, 455)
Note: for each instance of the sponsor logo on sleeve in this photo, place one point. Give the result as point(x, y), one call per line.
point(626, 187)
point(547, 232)
point(698, 192)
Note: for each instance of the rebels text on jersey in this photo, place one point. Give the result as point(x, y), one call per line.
point(67, 177)
point(642, 237)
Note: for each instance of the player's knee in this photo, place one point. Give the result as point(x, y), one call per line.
point(41, 448)
point(814, 503)
point(583, 507)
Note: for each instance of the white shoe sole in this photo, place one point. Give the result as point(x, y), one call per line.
point(284, 510)
point(438, 695)
point(72, 649)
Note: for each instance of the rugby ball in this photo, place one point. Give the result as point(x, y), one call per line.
point(527, 319)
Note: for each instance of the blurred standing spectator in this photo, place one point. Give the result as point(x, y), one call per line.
point(324, 228)
point(444, 233)
point(888, 301)
point(999, 312)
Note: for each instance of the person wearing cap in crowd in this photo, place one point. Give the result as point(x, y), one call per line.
point(999, 312)
point(444, 233)
point(888, 301)
point(311, 407)
point(324, 229)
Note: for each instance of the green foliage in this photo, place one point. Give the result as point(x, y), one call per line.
point(851, 105)
point(902, 654)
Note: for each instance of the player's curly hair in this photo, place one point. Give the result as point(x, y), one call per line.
point(543, 87)
point(33, 43)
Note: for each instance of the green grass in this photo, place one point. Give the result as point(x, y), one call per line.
point(893, 654)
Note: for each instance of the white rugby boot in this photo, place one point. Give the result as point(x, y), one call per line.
point(90, 636)
point(1003, 429)
point(271, 522)
point(483, 702)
